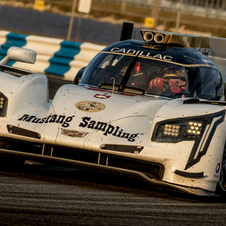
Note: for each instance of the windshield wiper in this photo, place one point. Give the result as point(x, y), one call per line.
point(108, 86)
point(126, 89)
point(134, 90)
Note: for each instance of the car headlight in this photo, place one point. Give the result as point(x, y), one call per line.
point(200, 129)
point(173, 131)
point(3, 105)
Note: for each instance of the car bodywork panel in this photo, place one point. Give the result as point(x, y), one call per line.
point(114, 131)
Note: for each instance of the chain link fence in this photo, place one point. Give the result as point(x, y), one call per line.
point(207, 8)
point(208, 16)
point(195, 14)
point(212, 4)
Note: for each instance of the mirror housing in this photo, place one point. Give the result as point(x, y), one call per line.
point(78, 76)
point(19, 54)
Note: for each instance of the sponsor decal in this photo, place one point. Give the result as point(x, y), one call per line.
point(52, 118)
point(141, 53)
point(218, 168)
point(102, 96)
point(107, 129)
point(73, 133)
point(90, 106)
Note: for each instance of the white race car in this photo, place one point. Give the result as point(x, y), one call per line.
point(149, 109)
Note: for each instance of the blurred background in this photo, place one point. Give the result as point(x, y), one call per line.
point(99, 21)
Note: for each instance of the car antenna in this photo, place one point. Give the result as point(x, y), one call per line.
point(139, 36)
point(139, 30)
point(113, 88)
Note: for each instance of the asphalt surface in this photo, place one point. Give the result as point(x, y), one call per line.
point(44, 195)
point(28, 21)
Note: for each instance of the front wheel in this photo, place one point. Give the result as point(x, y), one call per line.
point(221, 186)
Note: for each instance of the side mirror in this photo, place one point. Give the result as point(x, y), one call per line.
point(78, 76)
point(19, 54)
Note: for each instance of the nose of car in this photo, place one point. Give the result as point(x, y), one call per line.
point(103, 104)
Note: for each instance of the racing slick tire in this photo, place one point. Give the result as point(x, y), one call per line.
point(221, 185)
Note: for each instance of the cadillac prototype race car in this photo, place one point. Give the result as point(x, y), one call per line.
point(151, 109)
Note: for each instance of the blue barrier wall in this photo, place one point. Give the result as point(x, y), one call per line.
point(12, 39)
point(60, 62)
point(54, 56)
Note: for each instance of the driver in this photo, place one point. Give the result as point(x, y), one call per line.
point(173, 80)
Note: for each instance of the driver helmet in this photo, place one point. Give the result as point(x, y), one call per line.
point(177, 77)
point(174, 73)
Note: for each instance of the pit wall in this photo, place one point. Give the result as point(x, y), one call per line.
point(54, 56)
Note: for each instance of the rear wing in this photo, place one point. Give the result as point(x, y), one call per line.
point(213, 48)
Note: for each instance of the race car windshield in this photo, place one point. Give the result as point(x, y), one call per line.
point(154, 77)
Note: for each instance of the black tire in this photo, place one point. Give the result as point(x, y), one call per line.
point(221, 185)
